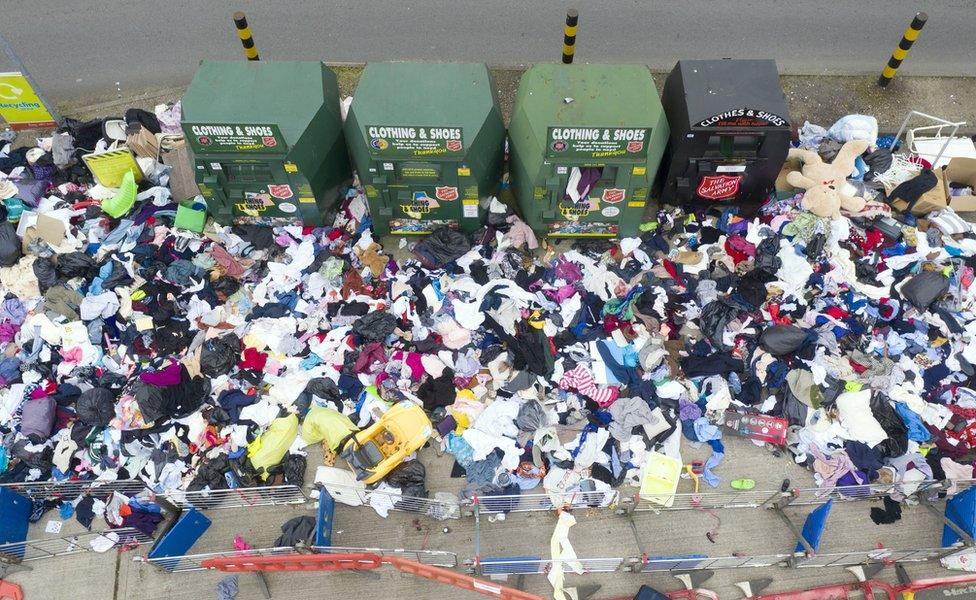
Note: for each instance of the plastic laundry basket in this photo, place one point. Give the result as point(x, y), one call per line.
point(659, 481)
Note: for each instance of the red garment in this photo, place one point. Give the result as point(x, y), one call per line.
point(739, 249)
point(837, 312)
point(253, 360)
point(967, 413)
point(672, 270)
point(775, 316)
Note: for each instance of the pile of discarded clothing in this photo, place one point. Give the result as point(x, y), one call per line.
point(202, 361)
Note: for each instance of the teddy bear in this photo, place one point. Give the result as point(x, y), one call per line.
point(827, 190)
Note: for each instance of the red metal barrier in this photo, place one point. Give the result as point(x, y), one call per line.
point(359, 561)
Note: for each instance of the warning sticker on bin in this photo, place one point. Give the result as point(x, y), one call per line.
point(719, 187)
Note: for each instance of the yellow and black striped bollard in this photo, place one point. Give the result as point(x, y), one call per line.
point(244, 32)
point(907, 39)
point(569, 36)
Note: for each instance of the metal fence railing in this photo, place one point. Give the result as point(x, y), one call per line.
point(705, 500)
point(488, 567)
point(277, 495)
point(863, 557)
point(438, 507)
point(434, 558)
point(73, 544)
point(544, 502)
point(74, 488)
point(801, 496)
point(652, 564)
point(873, 491)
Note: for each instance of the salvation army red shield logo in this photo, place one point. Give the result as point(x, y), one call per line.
point(269, 141)
point(719, 187)
point(454, 145)
point(613, 195)
point(282, 192)
point(635, 147)
point(446, 193)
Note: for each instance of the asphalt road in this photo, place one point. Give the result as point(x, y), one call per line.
point(81, 52)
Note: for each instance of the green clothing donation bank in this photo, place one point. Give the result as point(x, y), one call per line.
point(427, 141)
point(267, 141)
point(586, 142)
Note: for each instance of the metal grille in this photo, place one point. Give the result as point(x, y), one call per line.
point(545, 502)
point(434, 558)
point(707, 500)
point(687, 563)
point(844, 559)
point(238, 497)
point(434, 507)
point(808, 496)
point(74, 488)
point(71, 544)
point(541, 566)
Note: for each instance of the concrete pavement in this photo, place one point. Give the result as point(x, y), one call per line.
point(78, 51)
point(598, 534)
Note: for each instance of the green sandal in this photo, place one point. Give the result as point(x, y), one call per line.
point(743, 484)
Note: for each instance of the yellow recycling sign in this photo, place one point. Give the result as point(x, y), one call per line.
point(19, 105)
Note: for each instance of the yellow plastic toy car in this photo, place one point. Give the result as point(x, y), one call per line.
point(376, 450)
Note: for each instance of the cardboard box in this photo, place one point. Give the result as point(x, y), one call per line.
point(960, 171)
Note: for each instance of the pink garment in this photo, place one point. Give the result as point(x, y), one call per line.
point(72, 356)
point(171, 375)
point(581, 380)
point(520, 234)
point(561, 294)
point(832, 469)
point(413, 362)
point(225, 260)
point(954, 472)
point(240, 544)
point(453, 335)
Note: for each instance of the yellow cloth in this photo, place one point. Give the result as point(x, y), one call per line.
point(326, 424)
point(270, 447)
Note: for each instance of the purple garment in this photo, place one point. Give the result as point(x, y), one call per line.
point(171, 375)
point(7, 331)
point(562, 294)
point(688, 411)
point(369, 354)
point(588, 177)
point(568, 270)
point(145, 522)
point(13, 310)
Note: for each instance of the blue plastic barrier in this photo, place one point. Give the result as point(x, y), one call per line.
point(179, 538)
point(813, 527)
point(961, 511)
point(15, 510)
point(510, 565)
point(323, 525)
